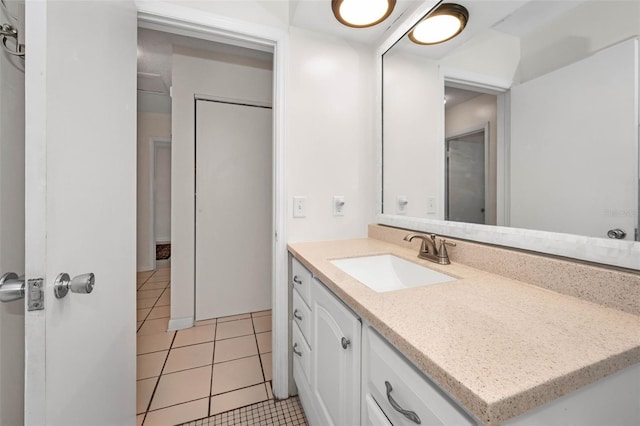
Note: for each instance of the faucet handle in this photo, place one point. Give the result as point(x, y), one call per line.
point(443, 256)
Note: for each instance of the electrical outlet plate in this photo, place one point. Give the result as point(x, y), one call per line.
point(338, 205)
point(401, 204)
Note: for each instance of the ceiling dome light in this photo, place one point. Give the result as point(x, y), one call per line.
point(446, 22)
point(362, 13)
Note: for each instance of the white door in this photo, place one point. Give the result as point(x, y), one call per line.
point(80, 210)
point(234, 214)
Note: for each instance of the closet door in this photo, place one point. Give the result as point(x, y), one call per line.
point(233, 208)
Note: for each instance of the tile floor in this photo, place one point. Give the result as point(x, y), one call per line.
point(208, 372)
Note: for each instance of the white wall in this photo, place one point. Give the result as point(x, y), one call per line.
point(476, 113)
point(272, 13)
point(591, 26)
point(574, 161)
point(11, 235)
point(330, 139)
point(412, 123)
point(214, 74)
point(150, 125)
point(163, 193)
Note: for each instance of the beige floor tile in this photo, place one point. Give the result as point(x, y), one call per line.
point(154, 286)
point(269, 390)
point(261, 313)
point(237, 347)
point(264, 342)
point(139, 419)
point(195, 335)
point(160, 312)
point(144, 390)
point(227, 330)
point(154, 342)
point(234, 317)
point(141, 314)
point(178, 414)
point(154, 326)
point(205, 322)
point(184, 386)
point(144, 274)
point(267, 366)
point(239, 373)
point(165, 299)
point(162, 278)
point(262, 324)
point(189, 357)
point(149, 294)
point(236, 399)
point(150, 365)
point(146, 303)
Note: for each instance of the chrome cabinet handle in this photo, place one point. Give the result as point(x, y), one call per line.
point(345, 342)
point(11, 287)
point(295, 345)
point(82, 284)
point(296, 315)
point(297, 280)
point(408, 414)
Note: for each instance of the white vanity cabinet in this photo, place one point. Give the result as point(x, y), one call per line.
point(326, 341)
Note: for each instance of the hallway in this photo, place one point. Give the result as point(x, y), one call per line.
point(219, 368)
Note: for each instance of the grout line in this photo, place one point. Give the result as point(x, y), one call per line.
point(255, 336)
point(159, 377)
point(213, 355)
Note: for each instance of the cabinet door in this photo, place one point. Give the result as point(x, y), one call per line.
point(336, 359)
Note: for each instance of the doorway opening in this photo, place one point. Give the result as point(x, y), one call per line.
point(472, 133)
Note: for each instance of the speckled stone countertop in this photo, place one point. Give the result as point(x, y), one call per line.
point(500, 346)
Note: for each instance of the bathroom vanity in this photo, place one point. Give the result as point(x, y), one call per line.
point(484, 348)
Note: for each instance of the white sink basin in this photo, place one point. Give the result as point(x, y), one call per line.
point(387, 272)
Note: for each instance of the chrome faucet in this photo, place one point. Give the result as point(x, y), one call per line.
point(428, 250)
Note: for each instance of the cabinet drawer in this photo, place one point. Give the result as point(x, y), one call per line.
point(302, 316)
point(301, 279)
point(392, 380)
point(301, 355)
point(374, 413)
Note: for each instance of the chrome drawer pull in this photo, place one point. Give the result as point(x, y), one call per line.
point(295, 345)
point(297, 280)
point(408, 414)
point(296, 315)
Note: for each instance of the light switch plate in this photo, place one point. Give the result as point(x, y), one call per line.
point(431, 205)
point(299, 206)
point(338, 205)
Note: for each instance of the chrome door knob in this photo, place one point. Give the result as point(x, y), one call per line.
point(82, 284)
point(11, 287)
point(616, 234)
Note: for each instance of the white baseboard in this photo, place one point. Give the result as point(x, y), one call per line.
point(180, 323)
point(145, 268)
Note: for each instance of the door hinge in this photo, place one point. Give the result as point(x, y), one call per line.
point(35, 294)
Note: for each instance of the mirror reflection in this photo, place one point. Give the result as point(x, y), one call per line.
point(528, 118)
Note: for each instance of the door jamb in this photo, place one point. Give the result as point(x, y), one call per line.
point(211, 26)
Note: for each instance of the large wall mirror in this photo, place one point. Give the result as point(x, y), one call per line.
point(521, 131)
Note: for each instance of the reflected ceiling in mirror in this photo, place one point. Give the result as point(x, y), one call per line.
point(545, 136)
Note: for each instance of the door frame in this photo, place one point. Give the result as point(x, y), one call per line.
point(487, 151)
point(231, 31)
point(155, 143)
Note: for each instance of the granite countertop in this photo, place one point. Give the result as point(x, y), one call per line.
point(500, 346)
